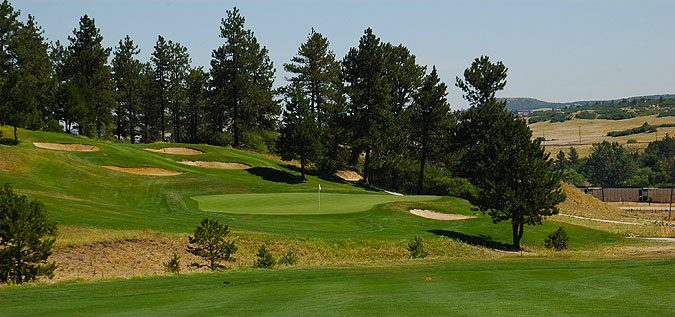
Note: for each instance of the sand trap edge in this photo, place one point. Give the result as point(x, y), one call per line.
point(175, 150)
point(430, 214)
point(143, 170)
point(218, 164)
point(77, 147)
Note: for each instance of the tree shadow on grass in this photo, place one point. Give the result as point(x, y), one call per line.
point(480, 240)
point(274, 175)
point(8, 141)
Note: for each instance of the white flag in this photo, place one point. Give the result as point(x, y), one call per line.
point(319, 187)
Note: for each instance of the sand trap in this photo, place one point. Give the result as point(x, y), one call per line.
point(143, 170)
point(216, 164)
point(438, 215)
point(67, 146)
point(349, 176)
point(176, 150)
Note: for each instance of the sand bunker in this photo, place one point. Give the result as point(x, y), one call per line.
point(176, 150)
point(143, 170)
point(67, 146)
point(216, 164)
point(349, 176)
point(438, 215)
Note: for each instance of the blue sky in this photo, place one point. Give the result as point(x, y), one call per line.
point(555, 50)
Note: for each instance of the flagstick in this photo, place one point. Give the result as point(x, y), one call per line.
point(319, 197)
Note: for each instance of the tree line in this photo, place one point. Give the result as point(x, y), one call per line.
point(375, 110)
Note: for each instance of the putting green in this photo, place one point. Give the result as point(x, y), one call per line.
point(298, 203)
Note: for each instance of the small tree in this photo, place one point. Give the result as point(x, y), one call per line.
point(557, 239)
point(265, 259)
point(288, 258)
point(574, 156)
point(416, 248)
point(211, 245)
point(23, 248)
point(173, 265)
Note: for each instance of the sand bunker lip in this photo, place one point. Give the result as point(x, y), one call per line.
point(176, 150)
point(438, 215)
point(349, 176)
point(143, 170)
point(67, 146)
point(217, 164)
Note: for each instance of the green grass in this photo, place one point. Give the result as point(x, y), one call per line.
point(311, 203)
point(508, 286)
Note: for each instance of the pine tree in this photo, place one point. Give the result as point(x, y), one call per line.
point(242, 75)
point(24, 250)
point(610, 164)
point(196, 98)
point(161, 62)
point(430, 120)
point(209, 243)
point(178, 69)
point(86, 68)
point(368, 90)
point(149, 106)
point(299, 133)
point(574, 156)
point(127, 71)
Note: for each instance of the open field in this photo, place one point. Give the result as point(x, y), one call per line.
point(560, 134)
point(508, 286)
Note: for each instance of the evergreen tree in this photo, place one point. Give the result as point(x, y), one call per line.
point(560, 160)
point(209, 243)
point(574, 156)
point(196, 89)
point(242, 75)
point(27, 82)
point(430, 119)
point(149, 107)
point(24, 250)
point(179, 66)
point(368, 90)
point(610, 164)
point(86, 69)
point(127, 71)
point(161, 62)
point(299, 133)
point(9, 29)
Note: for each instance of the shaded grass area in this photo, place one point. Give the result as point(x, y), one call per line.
point(506, 286)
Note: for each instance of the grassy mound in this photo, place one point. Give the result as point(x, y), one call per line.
point(579, 203)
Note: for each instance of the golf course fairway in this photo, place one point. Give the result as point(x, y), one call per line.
point(298, 203)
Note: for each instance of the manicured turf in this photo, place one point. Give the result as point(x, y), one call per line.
point(311, 203)
point(501, 287)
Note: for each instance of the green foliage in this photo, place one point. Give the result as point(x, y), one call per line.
point(570, 175)
point(288, 258)
point(482, 81)
point(553, 116)
point(416, 248)
point(573, 156)
point(263, 141)
point(24, 250)
point(557, 239)
point(265, 259)
point(645, 128)
point(667, 113)
point(615, 114)
point(610, 164)
point(209, 243)
point(173, 265)
point(299, 136)
point(586, 115)
point(632, 141)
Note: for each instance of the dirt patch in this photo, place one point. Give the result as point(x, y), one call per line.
point(438, 215)
point(176, 150)
point(67, 146)
point(143, 170)
point(217, 164)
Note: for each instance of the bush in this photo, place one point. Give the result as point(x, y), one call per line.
point(260, 141)
point(173, 265)
point(631, 141)
point(416, 248)
point(24, 251)
point(557, 239)
point(53, 126)
point(586, 115)
point(289, 258)
point(265, 259)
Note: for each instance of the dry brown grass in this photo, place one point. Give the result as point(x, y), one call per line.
point(560, 134)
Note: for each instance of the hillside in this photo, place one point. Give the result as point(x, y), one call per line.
point(524, 103)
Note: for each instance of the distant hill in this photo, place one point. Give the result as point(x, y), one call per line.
point(523, 103)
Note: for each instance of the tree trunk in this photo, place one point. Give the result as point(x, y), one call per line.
point(516, 234)
point(420, 182)
point(16, 137)
point(302, 169)
point(366, 171)
point(394, 179)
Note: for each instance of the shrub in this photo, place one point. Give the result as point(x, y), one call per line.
point(289, 258)
point(24, 251)
point(586, 115)
point(265, 259)
point(631, 141)
point(52, 126)
point(173, 265)
point(210, 244)
point(557, 239)
point(416, 248)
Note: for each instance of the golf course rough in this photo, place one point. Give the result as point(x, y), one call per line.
point(304, 203)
